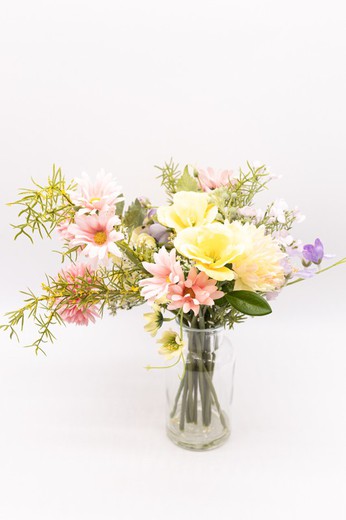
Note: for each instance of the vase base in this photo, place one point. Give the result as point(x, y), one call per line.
point(197, 437)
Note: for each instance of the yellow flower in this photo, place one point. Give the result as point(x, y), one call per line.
point(259, 267)
point(189, 209)
point(147, 241)
point(154, 320)
point(212, 247)
point(141, 239)
point(172, 344)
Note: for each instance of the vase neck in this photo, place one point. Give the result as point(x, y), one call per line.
point(210, 332)
point(203, 340)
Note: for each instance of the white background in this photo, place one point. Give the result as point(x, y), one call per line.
point(124, 86)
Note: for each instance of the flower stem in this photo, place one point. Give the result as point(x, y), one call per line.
point(339, 262)
point(149, 367)
point(196, 386)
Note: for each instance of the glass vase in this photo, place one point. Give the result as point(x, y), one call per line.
point(199, 396)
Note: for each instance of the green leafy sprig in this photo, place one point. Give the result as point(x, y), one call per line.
point(169, 176)
point(44, 207)
point(115, 288)
point(248, 184)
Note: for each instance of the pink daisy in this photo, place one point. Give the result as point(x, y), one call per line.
point(166, 271)
point(62, 229)
point(210, 179)
point(100, 195)
point(72, 311)
point(96, 234)
point(197, 290)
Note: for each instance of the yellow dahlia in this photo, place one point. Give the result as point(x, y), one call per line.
point(212, 247)
point(189, 209)
point(259, 267)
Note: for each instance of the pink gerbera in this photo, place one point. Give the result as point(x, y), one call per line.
point(166, 271)
point(73, 311)
point(96, 234)
point(198, 289)
point(210, 179)
point(101, 195)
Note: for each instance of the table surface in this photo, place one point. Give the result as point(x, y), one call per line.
point(82, 430)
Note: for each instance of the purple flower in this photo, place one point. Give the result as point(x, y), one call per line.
point(313, 253)
point(305, 273)
point(159, 232)
point(270, 296)
point(151, 213)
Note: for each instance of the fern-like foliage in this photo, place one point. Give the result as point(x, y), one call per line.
point(170, 174)
point(43, 208)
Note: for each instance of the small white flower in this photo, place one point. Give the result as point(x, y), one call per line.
point(171, 344)
point(278, 210)
point(250, 211)
point(299, 217)
point(154, 320)
point(284, 238)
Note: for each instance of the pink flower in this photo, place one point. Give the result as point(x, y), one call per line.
point(166, 271)
point(210, 179)
point(197, 290)
point(97, 235)
point(72, 311)
point(62, 229)
point(101, 195)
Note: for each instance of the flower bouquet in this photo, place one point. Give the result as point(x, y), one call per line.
point(205, 261)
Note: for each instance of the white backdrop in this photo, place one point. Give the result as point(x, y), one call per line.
point(124, 86)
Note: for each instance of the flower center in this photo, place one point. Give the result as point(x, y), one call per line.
point(95, 199)
point(189, 291)
point(100, 238)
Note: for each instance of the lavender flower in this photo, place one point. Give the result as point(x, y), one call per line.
point(313, 253)
point(151, 213)
point(305, 273)
point(159, 232)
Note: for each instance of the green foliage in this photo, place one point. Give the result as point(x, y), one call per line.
point(119, 207)
point(44, 207)
point(249, 303)
point(115, 288)
point(131, 255)
point(320, 271)
point(273, 225)
point(169, 176)
point(41, 311)
point(215, 316)
point(134, 216)
point(71, 253)
point(186, 182)
point(249, 183)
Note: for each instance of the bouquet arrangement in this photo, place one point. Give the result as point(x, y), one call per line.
point(208, 258)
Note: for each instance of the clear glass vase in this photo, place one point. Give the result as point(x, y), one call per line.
point(199, 397)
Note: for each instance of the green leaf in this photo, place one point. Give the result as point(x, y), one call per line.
point(134, 215)
point(187, 182)
point(248, 302)
point(119, 208)
point(131, 255)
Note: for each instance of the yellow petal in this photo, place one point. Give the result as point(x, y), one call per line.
point(220, 274)
point(189, 209)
